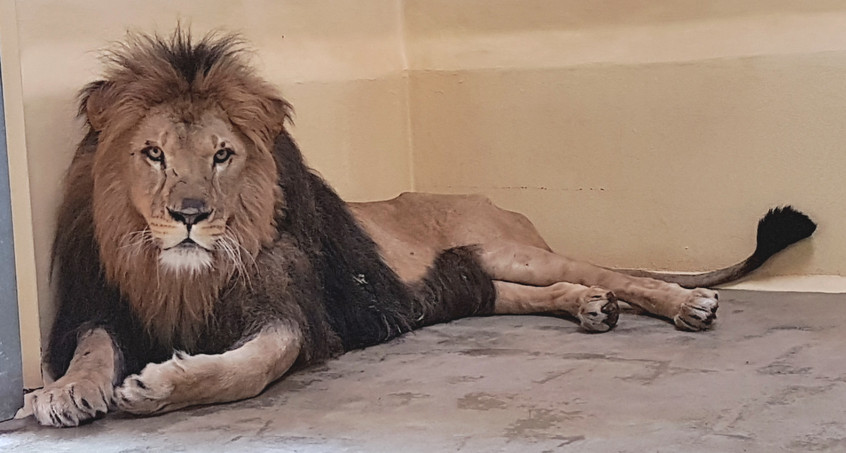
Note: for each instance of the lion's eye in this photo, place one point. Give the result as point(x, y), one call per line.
point(222, 155)
point(154, 153)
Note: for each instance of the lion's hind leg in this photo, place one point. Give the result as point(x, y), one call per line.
point(595, 308)
point(690, 309)
point(190, 380)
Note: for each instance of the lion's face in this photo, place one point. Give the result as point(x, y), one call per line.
point(185, 177)
point(179, 174)
point(203, 192)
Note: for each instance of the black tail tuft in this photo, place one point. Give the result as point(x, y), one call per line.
point(779, 228)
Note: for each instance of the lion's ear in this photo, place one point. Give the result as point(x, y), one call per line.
point(94, 101)
point(281, 111)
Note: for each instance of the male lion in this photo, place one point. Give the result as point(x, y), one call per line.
point(198, 259)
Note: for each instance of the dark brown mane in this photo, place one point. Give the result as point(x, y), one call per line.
point(315, 267)
point(141, 73)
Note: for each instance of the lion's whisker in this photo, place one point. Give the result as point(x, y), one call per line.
point(135, 241)
point(231, 248)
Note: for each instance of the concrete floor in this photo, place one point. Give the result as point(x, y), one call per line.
point(770, 377)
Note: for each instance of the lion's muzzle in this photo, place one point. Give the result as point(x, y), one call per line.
point(190, 212)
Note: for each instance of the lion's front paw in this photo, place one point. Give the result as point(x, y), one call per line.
point(699, 311)
point(598, 311)
point(69, 401)
point(150, 391)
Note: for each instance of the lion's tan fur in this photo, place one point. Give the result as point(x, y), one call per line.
point(175, 307)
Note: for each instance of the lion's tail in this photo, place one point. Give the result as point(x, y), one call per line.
point(778, 229)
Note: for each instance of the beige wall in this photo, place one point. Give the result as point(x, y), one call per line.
point(638, 133)
point(634, 133)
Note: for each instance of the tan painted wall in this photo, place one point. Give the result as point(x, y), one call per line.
point(638, 133)
point(634, 133)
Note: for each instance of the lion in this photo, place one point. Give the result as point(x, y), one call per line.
point(198, 259)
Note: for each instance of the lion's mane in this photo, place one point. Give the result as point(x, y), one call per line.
point(311, 263)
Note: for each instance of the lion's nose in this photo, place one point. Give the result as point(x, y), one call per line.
point(191, 212)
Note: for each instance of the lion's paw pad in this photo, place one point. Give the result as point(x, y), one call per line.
point(699, 311)
point(599, 310)
point(143, 394)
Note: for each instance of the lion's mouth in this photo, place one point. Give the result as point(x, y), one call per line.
point(187, 244)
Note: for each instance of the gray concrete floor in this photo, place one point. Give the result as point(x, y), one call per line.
point(770, 377)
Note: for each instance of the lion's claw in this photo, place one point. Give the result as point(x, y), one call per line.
point(699, 312)
point(599, 311)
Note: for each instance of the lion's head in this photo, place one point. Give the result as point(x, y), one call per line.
point(184, 183)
